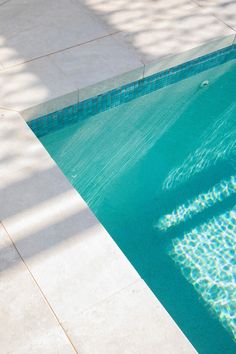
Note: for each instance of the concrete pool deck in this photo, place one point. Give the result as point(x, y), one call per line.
point(65, 285)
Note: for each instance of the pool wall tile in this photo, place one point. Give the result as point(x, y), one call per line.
point(51, 106)
point(174, 60)
point(130, 91)
point(110, 84)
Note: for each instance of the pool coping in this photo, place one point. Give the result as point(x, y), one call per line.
point(172, 337)
point(139, 73)
point(128, 92)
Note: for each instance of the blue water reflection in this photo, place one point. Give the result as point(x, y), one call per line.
point(186, 211)
point(218, 143)
point(168, 159)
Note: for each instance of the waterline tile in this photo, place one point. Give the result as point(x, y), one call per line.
point(115, 97)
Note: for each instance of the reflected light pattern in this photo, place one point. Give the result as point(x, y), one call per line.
point(203, 201)
point(93, 165)
point(206, 256)
point(218, 144)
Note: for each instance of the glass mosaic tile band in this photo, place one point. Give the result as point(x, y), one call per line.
point(128, 92)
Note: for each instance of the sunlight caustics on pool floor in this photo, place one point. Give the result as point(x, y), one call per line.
point(159, 173)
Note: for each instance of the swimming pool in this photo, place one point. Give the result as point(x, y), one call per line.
point(159, 172)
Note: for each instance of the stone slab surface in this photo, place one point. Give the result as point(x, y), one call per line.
point(32, 83)
point(56, 53)
point(47, 79)
point(131, 321)
point(19, 147)
point(155, 29)
point(173, 60)
point(224, 10)
point(43, 27)
point(27, 322)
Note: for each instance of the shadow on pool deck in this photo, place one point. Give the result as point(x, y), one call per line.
point(116, 37)
point(21, 86)
point(30, 74)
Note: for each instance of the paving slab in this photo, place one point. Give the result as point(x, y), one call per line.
point(43, 27)
point(131, 321)
point(15, 138)
point(128, 15)
point(224, 10)
point(155, 34)
point(98, 61)
point(29, 84)
point(156, 29)
point(27, 322)
point(172, 60)
point(52, 82)
point(171, 34)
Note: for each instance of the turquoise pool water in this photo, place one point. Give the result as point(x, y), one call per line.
point(159, 172)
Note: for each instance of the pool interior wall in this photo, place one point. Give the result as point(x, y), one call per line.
point(128, 92)
point(159, 172)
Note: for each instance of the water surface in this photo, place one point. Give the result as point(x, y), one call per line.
point(159, 172)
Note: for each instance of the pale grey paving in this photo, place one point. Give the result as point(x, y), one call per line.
point(15, 138)
point(49, 78)
point(27, 322)
point(43, 27)
point(53, 51)
point(131, 321)
point(156, 29)
point(224, 10)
